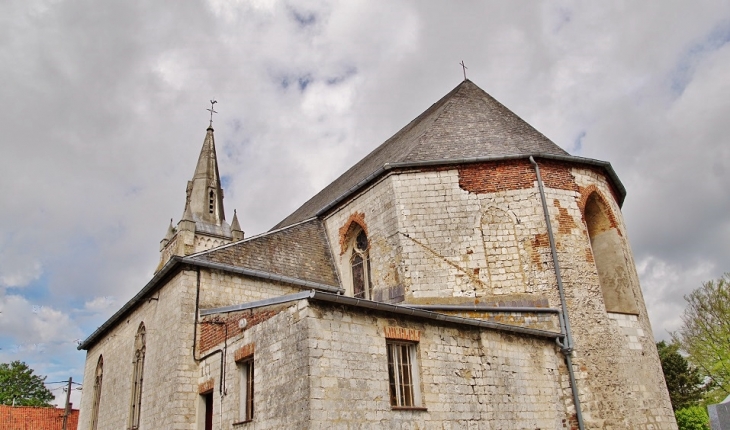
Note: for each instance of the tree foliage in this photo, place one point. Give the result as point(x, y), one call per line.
point(19, 386)
point(683, 381)
point(705, 333)
point(692, 418)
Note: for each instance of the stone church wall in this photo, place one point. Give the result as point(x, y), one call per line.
point(468, 378)
point(165, 374)
point(170, 372)
point(477, 234)
point(279, 345)
point(375, 211)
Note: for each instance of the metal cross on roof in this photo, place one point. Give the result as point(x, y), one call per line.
point(212, 102)
point(464, 68)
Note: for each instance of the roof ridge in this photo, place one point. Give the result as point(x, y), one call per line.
point(447, 102)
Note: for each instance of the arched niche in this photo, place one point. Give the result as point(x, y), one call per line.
point(609, 256)
point(502, 251)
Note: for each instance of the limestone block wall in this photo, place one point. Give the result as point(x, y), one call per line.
point(375, 211)
point(477, 233)
point(165, 375)
point(279, 343)
point(220, 288)
point(469, 378)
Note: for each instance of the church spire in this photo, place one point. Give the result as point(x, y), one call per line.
point(203, 223)
point(204, 202)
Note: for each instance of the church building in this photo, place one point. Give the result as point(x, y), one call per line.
point(468, 273)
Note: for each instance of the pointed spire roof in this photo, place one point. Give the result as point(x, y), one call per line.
point(234, 224)
point(170, 231)
point(204, 203)
point(466, 123)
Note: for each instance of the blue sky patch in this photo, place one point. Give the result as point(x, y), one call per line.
point(303, 19)
point(685, 67)
point(578, 142)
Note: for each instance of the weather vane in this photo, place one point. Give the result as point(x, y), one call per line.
point(212, 103)
point(463, 66)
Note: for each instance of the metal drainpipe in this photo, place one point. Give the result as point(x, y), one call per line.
point(567, 347)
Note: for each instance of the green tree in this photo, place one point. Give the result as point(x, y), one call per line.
point(19, 386)
point(692, 418)
point(705, 334)
point(683, 381)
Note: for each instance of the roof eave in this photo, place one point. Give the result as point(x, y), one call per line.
point(385, 307)
point(147, 289)
point(176, 262)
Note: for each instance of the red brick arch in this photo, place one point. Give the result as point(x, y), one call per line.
point(358, 219)
point(586, 193)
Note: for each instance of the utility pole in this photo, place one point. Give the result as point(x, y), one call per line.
point(68, 404)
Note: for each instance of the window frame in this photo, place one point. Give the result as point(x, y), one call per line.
point(246, 381)
point(361, 253)
point(404, 381)
point(140, 348)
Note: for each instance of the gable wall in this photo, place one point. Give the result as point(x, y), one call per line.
point(165, 375)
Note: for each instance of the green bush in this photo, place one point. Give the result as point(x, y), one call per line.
point(693, 418)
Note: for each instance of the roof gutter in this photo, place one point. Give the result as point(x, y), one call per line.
point(477, 308)
point(166, 269)
point(469, 160)
point(265, 275)
point(385, 307)
point(174, 263)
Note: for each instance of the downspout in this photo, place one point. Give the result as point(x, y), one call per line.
point(567, 346)
point(221, 383)
point(197, 306)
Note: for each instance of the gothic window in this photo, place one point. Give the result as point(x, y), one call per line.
point(211, 201)
point(609, 257)
point(137, 377)
point(245, 371)
point(97, 393)
point(403, 377)
point(362, 286)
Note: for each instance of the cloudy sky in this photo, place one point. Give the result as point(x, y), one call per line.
point(104, 111)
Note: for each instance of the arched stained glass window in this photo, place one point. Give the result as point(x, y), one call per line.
point(362, 286)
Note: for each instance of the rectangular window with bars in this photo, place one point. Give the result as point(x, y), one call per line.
point(405, 388)
point(245, 369)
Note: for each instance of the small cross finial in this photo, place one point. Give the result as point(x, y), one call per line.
point(463, 66)
point(212, 103)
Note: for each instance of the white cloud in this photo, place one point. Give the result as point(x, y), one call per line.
point(16, 271)
point(99, 303)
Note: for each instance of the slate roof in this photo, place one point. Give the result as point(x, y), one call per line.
point(299, 251)
point(466, 123)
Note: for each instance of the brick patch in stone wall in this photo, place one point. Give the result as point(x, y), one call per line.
point(401, 333)
point(206, 386)
point(481, 178)
point(585, 193)
point(356, 218)
point(244, 352)
point(566, 223)
point(216, 329)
